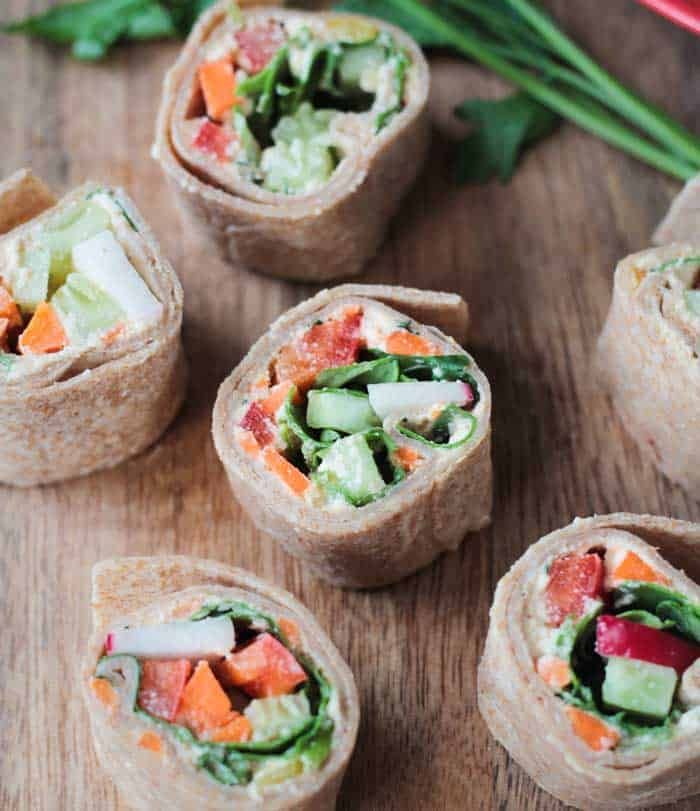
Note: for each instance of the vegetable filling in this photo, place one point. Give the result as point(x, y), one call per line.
point(354, 405)
point(620, 648)
point(279, 100)
point(229, 688)
point(68, 282)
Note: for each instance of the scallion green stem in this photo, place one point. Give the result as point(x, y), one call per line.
point(648, 117)
point(592, 118)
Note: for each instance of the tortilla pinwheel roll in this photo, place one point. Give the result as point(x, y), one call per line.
point(210, 688)
point(290, 137)
point(91, 364)
point(590, 677)
point(648, 357)
point(357, 436)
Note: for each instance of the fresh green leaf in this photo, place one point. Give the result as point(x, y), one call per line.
point(667, 605)
point(504, 128)
point(443, 429)
point(382, 370)
point(92, 27)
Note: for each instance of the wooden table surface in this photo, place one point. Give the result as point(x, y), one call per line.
point(534, 259)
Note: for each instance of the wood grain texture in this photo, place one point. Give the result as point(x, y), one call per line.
point(534, 260)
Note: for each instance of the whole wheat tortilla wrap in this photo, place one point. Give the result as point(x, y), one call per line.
point(682, 221)
point(313, 231)
point(157, 650)
point(91, 369)
point(357, 436)
point(648, 357)
point(614, 599)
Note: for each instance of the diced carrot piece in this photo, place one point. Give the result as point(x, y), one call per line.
point(633, 567)
point(275, 399)
point(44, 333)
point(105, 693)
point(248, 443)
point(112, 335)
point(295, 480)
point(335, 342)
point(9, 309)
point(218, 83)
point(204, 704)
point(554, 671)
point(237, 730)
point(162, 686)
point(596, 734)
point(256, 421)
point(291, 630)
point(152, 741)
point(407, 458)
point(264, 668)
point(403, 342)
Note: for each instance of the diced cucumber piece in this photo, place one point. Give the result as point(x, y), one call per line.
point(307, 124)
point(639, 687)
point(278, 769)
point(250, 148)
point(86, 312)
point(278, 716)
point(69, 228)
point(124, 674)
point(30, 282)
point(359, 67)
point(692, 301)
point(349, 467)
point(340, 409)
point(296, 168)
point(102, 260)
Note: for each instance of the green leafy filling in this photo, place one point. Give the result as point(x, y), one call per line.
point(443, 429)
point(236, 763)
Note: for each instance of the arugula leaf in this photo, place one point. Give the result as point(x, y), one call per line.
point(504, 129)
point(91, 27)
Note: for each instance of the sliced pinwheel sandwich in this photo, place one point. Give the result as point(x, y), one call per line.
point(591, 672)
point(209, 688)
point(91, 364)
point(291, 136)
point(359, 437)
point(648, 357)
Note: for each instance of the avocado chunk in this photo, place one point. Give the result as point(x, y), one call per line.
point(639, 687)
point(348, 467)
point(341, 410)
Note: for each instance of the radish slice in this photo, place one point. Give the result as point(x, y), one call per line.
point(393, 398)
point(206, 639)
point(103, 260)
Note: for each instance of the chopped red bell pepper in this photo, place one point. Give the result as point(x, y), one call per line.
point(256, 421)
point(213, 139)
point(573, 580)
point(162, 685)
point(335, 342)
point(263, 668)
point(620, 637)
point(257, 45)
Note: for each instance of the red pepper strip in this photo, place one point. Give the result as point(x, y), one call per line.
point(620, 637)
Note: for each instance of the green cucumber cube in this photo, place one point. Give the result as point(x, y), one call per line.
point(86, 312)
point(341, 410)
point(349, 465)
point(639, 687)
point(30, 282)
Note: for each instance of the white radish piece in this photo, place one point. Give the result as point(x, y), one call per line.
point(103, 260)
point(209, 638)
point(400, 398)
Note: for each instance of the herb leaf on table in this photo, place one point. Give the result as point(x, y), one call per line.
point(91, 27)
point(504, 128)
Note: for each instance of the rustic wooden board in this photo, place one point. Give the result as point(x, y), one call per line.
point(534, 260)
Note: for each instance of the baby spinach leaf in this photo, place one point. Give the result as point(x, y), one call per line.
point(382, 370)
point(666, 604)
point(504, 129)
point(439, 434)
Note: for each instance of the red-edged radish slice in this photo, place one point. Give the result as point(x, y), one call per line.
point(206, 639)
point(399, 398)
